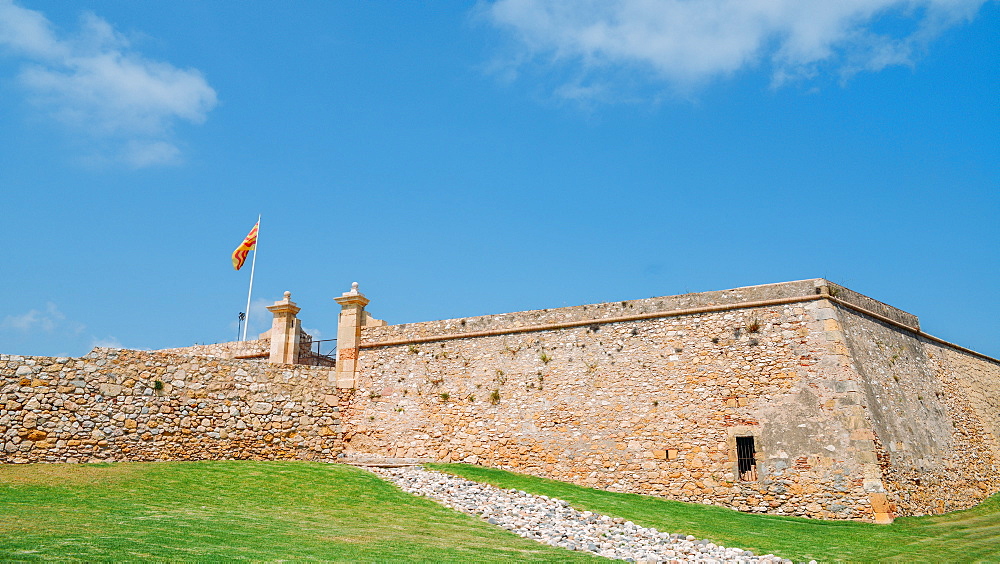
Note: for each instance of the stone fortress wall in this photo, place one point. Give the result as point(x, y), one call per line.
point(934, 411)
point(648, 396)
point(853, 412)
point(124, 405)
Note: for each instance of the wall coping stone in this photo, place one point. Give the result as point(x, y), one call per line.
point(651, 308)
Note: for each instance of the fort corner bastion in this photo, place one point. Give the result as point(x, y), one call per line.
point(798, 398)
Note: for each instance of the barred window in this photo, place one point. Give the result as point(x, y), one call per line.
point(746, 459)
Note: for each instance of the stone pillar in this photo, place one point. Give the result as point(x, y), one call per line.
point(352, 317)
point(284, 332)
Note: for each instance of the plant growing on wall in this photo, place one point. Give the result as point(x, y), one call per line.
point(753, 325)
point(158, 385)
point(444, 396)
point(544, 357)
point(412, 349)
point(495, 397)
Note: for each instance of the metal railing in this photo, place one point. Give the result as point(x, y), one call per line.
point(322, 352)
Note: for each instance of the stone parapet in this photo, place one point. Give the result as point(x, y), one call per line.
point(874, 306)
point(254, 349)
point(747, 296)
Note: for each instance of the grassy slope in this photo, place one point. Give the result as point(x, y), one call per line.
point(962, 536)
point(246, 510)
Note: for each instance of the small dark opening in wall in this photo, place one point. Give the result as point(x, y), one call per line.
point(746, 459)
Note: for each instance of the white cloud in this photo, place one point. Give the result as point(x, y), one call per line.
point(684, 43)
point(95, 83)
point(44, 320)
point(107, 343)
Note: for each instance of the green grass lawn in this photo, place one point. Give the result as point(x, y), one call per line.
point(237, 510)
point(962, 536)
point(299, 510)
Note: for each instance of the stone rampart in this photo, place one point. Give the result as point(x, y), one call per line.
point(650, 406)
point(847, 409)
point(649, 396)
point(133, 405)
point(934, 412)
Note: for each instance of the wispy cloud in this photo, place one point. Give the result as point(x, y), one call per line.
point(33, 320)
point(107, 342)
point(685, 43)
point(95, 83)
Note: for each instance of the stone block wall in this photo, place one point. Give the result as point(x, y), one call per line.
point(648, 406)
point(134, 405)
point(935, 412)
point(255, 349)
point(648, 396)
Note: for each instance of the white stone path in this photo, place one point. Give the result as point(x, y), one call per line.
point(554, 522)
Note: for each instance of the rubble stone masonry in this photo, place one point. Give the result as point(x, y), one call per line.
point(935, 411)
point(854, 413)
point(133, 405)
point(629, 396)
point(256, 349)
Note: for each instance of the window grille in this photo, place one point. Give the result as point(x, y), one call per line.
point(746, 459)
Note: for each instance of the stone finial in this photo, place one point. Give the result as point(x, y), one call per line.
point(288, 295)
point(353, 292)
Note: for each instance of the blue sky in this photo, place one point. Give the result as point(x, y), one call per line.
point(461, 159)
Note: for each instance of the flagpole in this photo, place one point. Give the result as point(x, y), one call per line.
point(253, 263)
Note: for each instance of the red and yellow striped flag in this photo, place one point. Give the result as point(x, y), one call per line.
point(248, 244)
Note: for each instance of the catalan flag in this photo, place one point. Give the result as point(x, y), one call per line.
point(248, 244)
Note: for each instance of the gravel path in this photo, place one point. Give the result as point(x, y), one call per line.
point(554, 522)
